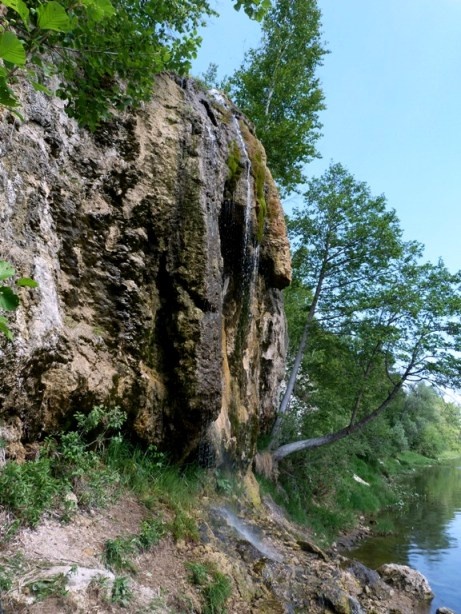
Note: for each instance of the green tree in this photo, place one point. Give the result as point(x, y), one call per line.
point(105, 54)
point(412, 331)
point(277, 88)
point(431, 424)
point(391, 320)
point(342, 239)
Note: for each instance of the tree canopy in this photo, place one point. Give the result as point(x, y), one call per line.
point(105, 54)
point(367, 298)
point(278, 89)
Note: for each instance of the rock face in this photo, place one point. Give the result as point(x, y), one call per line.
point(160, 250)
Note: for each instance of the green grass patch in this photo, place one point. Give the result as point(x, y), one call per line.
point(122, 594)
point(383, 526)
point(54, 586)
point(319, 490)
point(118, 552)
point(215, 587)
point(96, 464)
point(449, 455)
point(413, 459)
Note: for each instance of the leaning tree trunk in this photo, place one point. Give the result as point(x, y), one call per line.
point(317, 442)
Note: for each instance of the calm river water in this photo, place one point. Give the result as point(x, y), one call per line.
point(427, 534)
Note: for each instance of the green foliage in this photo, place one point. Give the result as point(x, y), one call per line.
point(9, 300)
point(318, 489)
point(375, 317)
point(198, 573)
point(151, 532)
point(277, 88)
point(66, 464)
point(6, 580)
point(28, 490)
point(77, 462)
point(209, 78)
point(183, 526)
point(215, 586)
point(105, 54)
point(217, 593)
point(53, 586)
point(259, 172)
point(118, 553)
point(344, 239)
point(122, 593)
point(148, 474)
point(11, 567)
point(224, 484)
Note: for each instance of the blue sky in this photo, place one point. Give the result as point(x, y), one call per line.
point(392, 84)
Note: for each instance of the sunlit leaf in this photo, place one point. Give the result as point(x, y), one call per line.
point(53, 16)
point(38, 87)
point(11, 49)
point(99, 9)
point(26, 282)
point(4, 328)
point(20, 7)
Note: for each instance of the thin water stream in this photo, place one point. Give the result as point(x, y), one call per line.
point(426, 535)
point(250, 534)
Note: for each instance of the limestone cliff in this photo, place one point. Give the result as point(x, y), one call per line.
point(160, 250)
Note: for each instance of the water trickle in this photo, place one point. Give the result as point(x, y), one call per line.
point(248, 199)
point(250, 535)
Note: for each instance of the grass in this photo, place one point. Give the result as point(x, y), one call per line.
point(122, 593)
point(10, 568)
point(215, 587)
point(118, 552)
point(383, 526)
point(54, 586)
point(96, 464)
point(413, 459)
point(329, 500)
point(29, 489)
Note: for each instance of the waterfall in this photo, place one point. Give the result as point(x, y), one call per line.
point(248, 199)
point(250, 534)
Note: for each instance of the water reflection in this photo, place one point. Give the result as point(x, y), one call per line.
point(427, 534)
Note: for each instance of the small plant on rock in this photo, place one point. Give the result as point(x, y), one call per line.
point(216, 587)
point(54, 586)
point(9, 299)
point(117, 553)
point(121, 591)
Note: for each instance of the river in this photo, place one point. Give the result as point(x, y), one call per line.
point(426, 534)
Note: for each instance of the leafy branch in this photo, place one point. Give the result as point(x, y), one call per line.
point(9, 299)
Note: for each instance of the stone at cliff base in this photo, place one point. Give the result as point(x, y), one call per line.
point(158, 292)
point(406, 579)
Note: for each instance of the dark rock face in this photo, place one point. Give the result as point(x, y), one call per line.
point(157, 291)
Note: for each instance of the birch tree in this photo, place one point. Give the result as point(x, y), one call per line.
point(278, 89)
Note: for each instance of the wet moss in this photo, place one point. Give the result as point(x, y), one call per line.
point(234, 164)
point(259, 172)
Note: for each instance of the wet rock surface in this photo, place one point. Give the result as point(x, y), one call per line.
point(159, 276)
